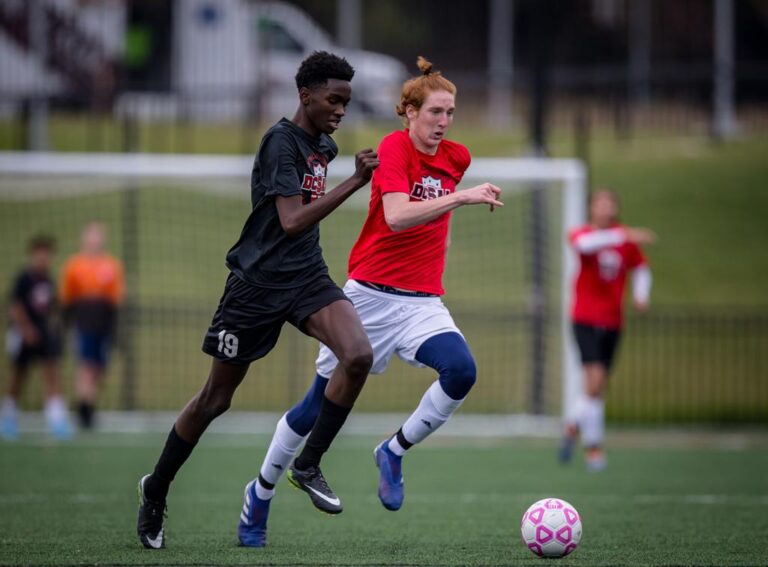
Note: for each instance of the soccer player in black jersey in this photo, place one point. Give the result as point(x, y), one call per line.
point(277, 274)
point(34, 337)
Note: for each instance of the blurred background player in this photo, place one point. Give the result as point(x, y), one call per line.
point(35, 337)
point(395, 271)
point(92, 290)
point(278, 275)
point(607, 251)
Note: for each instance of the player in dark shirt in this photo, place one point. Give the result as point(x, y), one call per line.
point(278, 275)
point(34, 337)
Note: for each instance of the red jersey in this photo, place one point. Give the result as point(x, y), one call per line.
point(414, 258)
point(599, 286)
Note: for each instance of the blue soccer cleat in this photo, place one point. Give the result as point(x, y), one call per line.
point(60, 430)
point(595, 459)
point(565, 452)
point(390, 476)
point(252, 529)
point(568, 444)
point(10, 428)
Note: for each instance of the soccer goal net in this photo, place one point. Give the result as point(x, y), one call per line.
point(171, 220)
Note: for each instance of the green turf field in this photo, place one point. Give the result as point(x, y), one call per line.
point(659, 503)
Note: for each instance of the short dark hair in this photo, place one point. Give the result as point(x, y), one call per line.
point(316, 69)
point(42, 242)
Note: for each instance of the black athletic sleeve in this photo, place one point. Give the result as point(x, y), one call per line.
point(20, 288)
point(333, 149)
point(279, 159)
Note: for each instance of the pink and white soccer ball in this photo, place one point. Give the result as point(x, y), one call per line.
point(551, 528)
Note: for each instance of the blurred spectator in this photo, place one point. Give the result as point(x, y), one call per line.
point(34, 336)
point(92, 289)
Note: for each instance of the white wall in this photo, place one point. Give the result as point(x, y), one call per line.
point(214, 55)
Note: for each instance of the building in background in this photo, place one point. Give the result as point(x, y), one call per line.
point(222, 60)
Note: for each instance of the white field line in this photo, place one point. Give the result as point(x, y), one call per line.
point(758, 500)
point(242, 428)
point(369, 424)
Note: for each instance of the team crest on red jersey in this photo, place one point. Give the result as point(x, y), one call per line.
point(429, 188)
point(313, 185)
point(609, 263)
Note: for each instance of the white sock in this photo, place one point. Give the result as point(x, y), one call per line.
point(396, 447)
point(264, 493)
point(282, 449)
point(8, 409)
point(433, 411)
point(55, 410)
point(576, 414)
point(592, 421)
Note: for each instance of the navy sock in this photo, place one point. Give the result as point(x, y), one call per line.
point(302, 416)
point(85, 411)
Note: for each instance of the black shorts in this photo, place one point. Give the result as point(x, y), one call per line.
point(248, 320)
point(22, 355)
point(597, 344)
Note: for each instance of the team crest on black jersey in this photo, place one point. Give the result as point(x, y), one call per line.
point(313, 184)
point(429, 188)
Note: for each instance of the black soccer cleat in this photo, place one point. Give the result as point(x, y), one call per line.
point(151, 516)
point(313, 483)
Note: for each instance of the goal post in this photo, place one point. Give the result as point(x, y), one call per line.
point(186, 210)
point(572, 174)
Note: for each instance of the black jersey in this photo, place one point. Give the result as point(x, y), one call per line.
point(290, 162)
point(36, 293)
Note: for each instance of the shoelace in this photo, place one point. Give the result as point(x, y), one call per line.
point(316, 474)
point(157, 512)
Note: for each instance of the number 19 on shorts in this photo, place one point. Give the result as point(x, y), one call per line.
point(228, 344)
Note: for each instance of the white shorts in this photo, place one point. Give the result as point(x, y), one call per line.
point(394, 324)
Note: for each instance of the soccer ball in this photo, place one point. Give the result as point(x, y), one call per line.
point(551, 528)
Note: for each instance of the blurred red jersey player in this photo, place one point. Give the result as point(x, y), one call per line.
point(607, 251)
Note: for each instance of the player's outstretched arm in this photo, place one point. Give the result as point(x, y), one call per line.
point(401, 213)
point(594, 241)
point(640, 236)
point(296, 217)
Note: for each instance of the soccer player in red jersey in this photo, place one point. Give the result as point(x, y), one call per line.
point(607, 251)
point(395, 281)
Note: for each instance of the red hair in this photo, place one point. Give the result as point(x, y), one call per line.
point(416, 89)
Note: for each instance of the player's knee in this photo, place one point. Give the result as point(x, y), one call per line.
point(209, 404)
point(459, 375)
point(358, 360)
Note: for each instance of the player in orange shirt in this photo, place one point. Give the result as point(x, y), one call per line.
point(92, 289)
